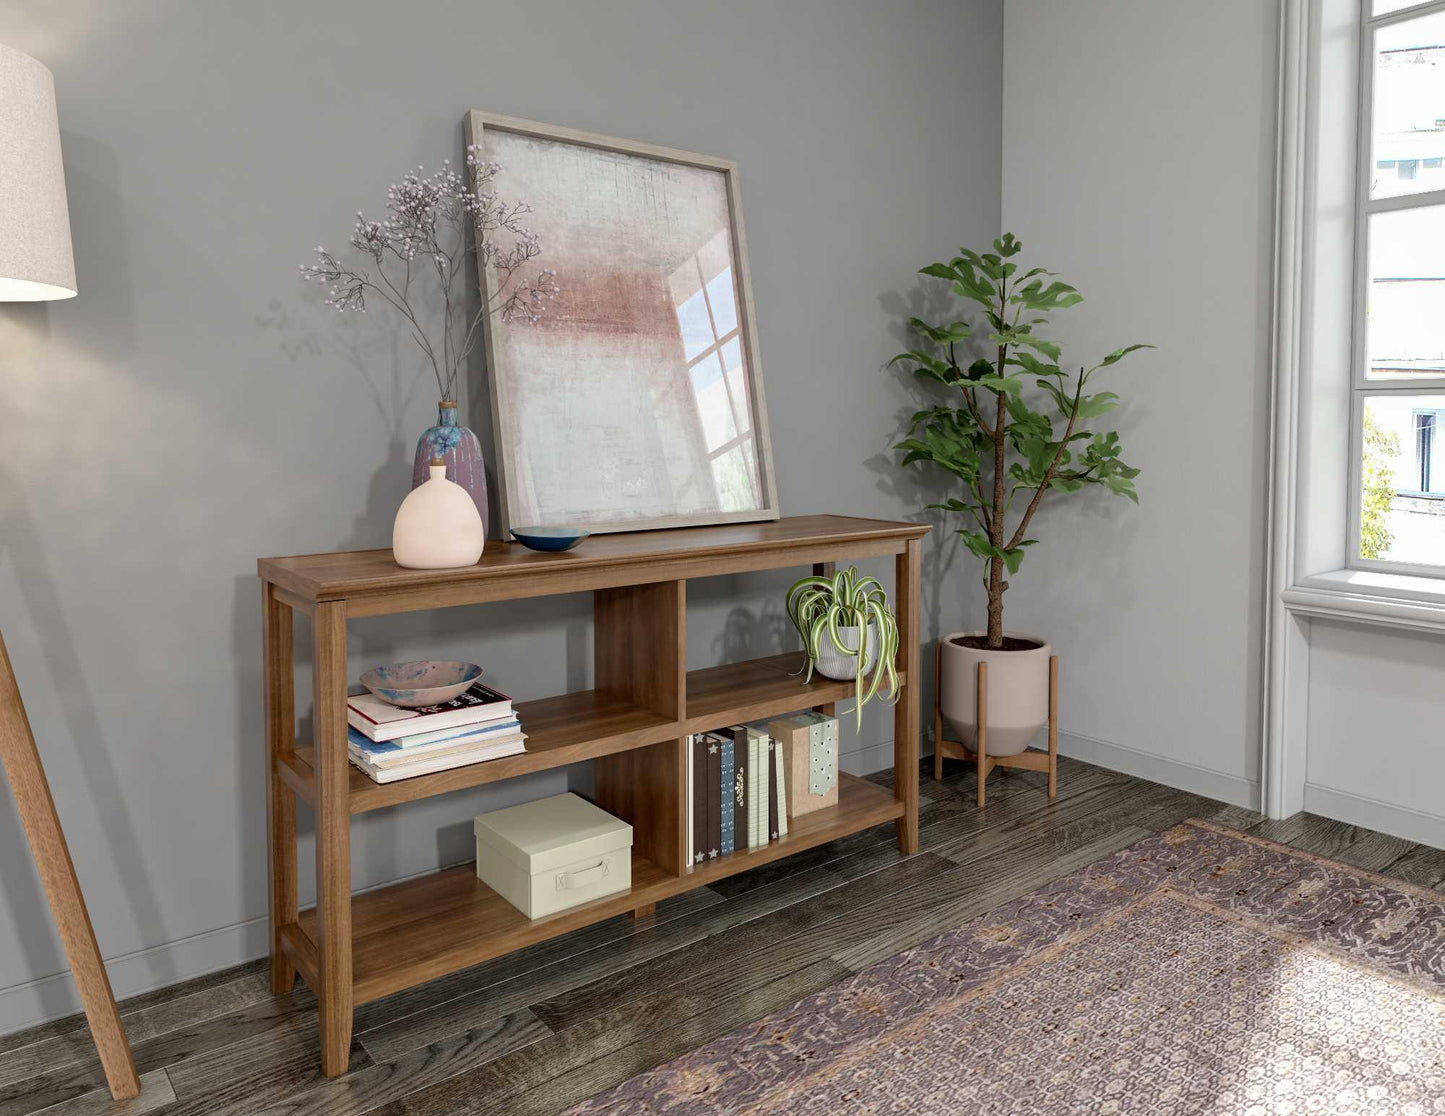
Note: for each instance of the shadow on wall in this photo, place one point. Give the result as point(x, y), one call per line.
point(21, 546)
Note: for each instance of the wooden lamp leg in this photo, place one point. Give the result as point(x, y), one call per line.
point(938, 713)
point(33, 800)
point(981, 720)
point(1053, 725)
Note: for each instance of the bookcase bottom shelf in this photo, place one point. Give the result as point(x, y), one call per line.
point(427, 927)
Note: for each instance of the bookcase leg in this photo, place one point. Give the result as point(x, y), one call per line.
point(333, 838)
point(906, 573)
point(280, 801)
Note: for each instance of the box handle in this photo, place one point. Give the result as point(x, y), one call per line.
point(567, 881)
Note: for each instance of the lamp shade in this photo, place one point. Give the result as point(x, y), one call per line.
point(35, 259)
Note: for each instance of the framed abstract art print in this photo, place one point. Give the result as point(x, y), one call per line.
point(635, 400)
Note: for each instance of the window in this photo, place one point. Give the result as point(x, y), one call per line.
point(1397, 516)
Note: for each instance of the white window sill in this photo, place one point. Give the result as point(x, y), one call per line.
point(1369, 597)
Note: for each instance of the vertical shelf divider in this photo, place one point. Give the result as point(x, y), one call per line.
point(640, 656)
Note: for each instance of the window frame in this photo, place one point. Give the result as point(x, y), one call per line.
point(1361, 387)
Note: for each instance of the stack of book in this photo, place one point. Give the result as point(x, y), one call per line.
point(391, 743)
point(738, 787)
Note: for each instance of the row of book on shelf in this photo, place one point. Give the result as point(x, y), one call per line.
point(389, 743)
point(746, 781)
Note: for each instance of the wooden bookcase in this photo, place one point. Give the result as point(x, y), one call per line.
point(633, 726)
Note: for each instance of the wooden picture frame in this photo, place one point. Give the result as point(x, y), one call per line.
point(522, 500)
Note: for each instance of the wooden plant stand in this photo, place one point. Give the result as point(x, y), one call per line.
point(36, 806)
point(633, 725)
point(1027, 760)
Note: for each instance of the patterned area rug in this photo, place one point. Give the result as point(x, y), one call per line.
point(1199, 971)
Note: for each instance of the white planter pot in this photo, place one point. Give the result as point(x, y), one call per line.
point(832, 663)
point(1018, 692)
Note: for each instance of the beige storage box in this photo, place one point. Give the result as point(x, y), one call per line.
point(555, 853)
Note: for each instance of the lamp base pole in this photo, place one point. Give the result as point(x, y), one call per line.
point(33, 800)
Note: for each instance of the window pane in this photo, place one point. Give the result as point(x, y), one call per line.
point(1405, 311)
point(1409, 107)
point(732, 474)
point(1402, 479)
point(713, 407)
point(1385, 7)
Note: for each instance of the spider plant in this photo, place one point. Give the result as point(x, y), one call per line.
point(820, 607)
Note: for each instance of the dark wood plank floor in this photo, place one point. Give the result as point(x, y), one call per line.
point(538, 1030)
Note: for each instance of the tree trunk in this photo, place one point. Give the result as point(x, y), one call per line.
point(996, 586)
point(996, 583)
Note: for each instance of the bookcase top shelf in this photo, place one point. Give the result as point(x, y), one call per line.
point(372, 583)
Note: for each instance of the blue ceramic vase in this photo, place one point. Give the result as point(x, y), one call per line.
point(459, 448)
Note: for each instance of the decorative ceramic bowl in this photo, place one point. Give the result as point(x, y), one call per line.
point(428, 682)
point(549, 538)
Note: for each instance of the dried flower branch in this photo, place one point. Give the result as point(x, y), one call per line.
point(432, 222)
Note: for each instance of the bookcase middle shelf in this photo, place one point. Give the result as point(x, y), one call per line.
point(570, 728)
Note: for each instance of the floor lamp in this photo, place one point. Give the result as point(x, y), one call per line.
point(36, 266)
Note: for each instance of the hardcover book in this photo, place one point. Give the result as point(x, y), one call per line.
point(687, 790)
point(714, 791)
point(742, 822)
point(446, 761)
point(757, 739)
point(780, 793)
point(395, 751)
point(773, 832)
point(810, 761)
point(379, 721)
point(725, 785)
point(699, 798)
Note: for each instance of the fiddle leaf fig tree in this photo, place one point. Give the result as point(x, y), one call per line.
point(1021, 429)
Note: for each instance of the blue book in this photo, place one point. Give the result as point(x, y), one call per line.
point(728, 832)
point(471, 734)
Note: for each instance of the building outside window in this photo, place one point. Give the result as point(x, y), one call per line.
point(1398, 512)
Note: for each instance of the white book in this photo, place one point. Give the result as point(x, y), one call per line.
point(400, 757)
point(778, 766)
point(440, 763)
point(380, 721)
point(756, 788)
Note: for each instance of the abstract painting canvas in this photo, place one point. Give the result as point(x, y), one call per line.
point(635, 400)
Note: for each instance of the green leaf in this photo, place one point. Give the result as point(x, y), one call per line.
point(1056, 296)
point(1010, 384)
point(1119, 354)
point(938, 271)
point(1048, 348)
point(1092, 406)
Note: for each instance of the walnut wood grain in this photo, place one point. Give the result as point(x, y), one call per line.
point(333, 931)
point(436, 924)
point(373, 584)
point(907, 589)
point(632, 725)
point(280, 689)
point(36, 807)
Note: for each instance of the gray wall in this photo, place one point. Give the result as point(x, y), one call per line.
point(1139, 162)
point(196, 408)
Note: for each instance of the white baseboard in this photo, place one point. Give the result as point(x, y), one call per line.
point(51, 997)
point(1397, 821)
point(1233, 789)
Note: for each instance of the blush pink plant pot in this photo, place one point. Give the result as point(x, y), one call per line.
point(1018, 693)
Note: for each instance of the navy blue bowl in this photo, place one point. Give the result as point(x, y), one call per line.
point(549, 538)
